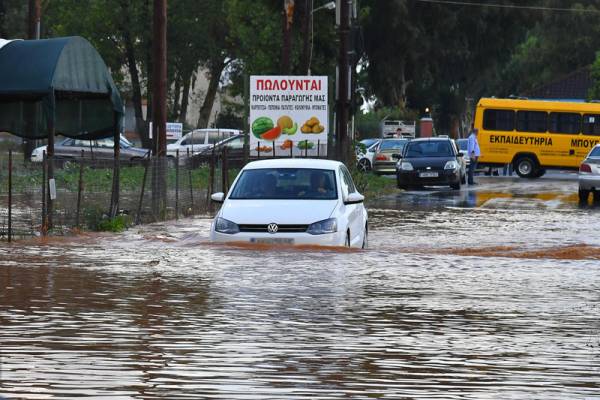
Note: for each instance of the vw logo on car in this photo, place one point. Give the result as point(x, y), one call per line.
point(272, 228)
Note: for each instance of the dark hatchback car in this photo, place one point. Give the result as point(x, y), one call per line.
point(235, 152)
point(430, 162)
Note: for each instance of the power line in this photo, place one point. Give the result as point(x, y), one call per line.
point(493, 5)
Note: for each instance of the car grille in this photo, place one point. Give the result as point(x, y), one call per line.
point(280, 228)
point(432, 169)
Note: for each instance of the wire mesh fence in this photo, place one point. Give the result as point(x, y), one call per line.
point(80, 198)
point(82, 194)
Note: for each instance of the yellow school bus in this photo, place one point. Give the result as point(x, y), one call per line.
point(534, 135)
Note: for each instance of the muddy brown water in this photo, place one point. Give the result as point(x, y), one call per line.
point(436, 308)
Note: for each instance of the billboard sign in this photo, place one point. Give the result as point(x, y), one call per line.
point(174, 130)
point(289, 115)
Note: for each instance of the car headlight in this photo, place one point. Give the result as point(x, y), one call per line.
point(451, 165)
point(225, 226)
point(322, 227)
point(406, 166)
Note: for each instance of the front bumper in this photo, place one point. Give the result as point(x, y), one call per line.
point(385, 167)
point(37, 157)
point(445, 177)
point(295, 239)
point(589, 182)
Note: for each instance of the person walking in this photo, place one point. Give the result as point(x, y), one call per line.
point(473, 153)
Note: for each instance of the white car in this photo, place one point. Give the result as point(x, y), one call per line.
point(199, 140)
point(589, 176)
point(292, 202)
point(365, 160)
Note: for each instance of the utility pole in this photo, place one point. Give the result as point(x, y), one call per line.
point(288, 19)
point(343, 82)
point(34, 25)
point(159, 78)
point(307, 36)
point(33, 32)
point(159, 106)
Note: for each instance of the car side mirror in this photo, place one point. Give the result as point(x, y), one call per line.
point(218, 197)
point(460, 154)
point(397, 156)
point(354, 198)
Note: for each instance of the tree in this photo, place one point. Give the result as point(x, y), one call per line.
point(594, 91)
point(423, 54)
point(557, 44)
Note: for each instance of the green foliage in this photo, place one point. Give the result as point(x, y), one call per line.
point(594, 92)
point(417, 54)
point(96, 219)
point(100, 179)
point(435, 55)
point(556, 44)
point(116, 224)
point(229, 119)
point(12, 19)
point(372, 186)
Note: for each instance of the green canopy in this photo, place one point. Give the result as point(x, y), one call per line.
point(61, 83)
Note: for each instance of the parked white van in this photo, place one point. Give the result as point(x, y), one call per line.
point(199, 140)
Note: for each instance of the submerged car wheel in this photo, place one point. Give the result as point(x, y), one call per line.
point(400, 185)
point(455, 186)
point(365, 243)
point(583, 196)
point(364, 165)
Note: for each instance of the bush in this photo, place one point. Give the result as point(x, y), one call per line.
point(116, 224)
point(97, 220)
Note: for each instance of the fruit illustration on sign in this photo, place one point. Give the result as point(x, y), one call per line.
point(261, 125)
point(264, 149)
point(288, 127)
point(288, 144)
point(264, 129)
point(305, 144)
point(313, 125)
point(271, 134)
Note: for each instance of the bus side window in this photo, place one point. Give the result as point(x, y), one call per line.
point(591, 124)
point(565, 122)
point(498, 120)
point(532, 121)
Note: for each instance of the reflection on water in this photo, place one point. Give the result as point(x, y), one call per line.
point(159, 312)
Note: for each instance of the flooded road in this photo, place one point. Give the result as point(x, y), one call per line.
point(492, 292)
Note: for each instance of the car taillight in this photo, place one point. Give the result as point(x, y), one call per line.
point(585, 168)
point(381, 157)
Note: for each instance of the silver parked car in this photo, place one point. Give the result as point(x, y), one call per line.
point(589, 176)
point(387, 154)
point(102, 149)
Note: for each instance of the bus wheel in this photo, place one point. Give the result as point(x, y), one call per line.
point(541, 172)
point(526, 167)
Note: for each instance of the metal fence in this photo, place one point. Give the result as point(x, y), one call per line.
point(82, 194)
point(149, 190)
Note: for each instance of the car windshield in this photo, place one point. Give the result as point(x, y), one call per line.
point(437, 148)
point(126, 142)
point(285, 184)
point(595, 152)
point(392, 145)
point(369, 142)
